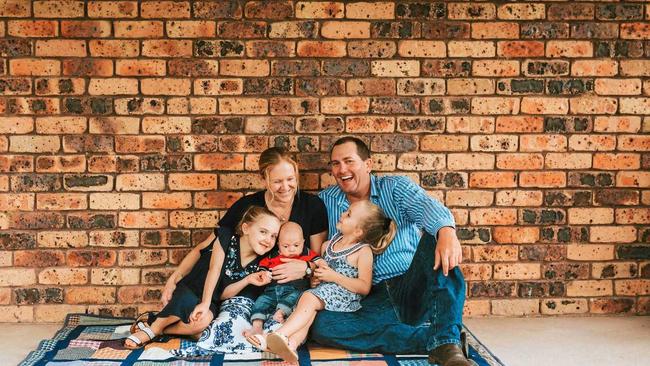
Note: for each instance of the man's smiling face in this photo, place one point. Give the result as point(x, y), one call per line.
point(351, 173)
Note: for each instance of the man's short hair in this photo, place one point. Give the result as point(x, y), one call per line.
point(362, 149)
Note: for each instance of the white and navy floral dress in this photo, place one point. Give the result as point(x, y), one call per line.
point(224, 334)
point(335, 296)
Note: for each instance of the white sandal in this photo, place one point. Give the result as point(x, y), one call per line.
point(279, 344)
point(138, 343)
point(258, 341)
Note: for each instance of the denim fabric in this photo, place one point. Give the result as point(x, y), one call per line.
point(283, 297)
point(412, 313)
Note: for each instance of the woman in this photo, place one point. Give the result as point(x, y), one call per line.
point(283, 198)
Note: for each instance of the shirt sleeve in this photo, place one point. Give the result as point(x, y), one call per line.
point(427, 213)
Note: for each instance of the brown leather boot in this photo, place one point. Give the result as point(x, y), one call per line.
point(448, 355)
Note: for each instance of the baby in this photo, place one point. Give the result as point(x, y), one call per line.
point(279, 299)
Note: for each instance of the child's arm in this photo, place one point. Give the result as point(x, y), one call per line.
point(184, 268)
point(360, 285)
point(216, 262)
point(260, 278)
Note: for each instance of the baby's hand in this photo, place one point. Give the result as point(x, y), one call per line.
point(260, 278)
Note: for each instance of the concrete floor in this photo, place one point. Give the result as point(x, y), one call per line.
point(516, 341)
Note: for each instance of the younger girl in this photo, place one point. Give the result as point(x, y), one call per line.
point(344, 280)
point(209, 274)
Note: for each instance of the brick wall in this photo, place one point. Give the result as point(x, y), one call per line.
point(128, 127)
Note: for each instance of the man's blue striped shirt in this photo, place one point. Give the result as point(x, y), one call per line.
point(408, 205)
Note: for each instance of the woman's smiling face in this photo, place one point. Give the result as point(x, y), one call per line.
point(282, 181)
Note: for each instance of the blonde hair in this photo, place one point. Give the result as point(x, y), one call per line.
point(252, 214)
point(272, 157)
point(378, 229)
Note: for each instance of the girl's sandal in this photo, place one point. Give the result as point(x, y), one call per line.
point(138, 343)
point(258, 341)
point(279, 344)
point(142, 321)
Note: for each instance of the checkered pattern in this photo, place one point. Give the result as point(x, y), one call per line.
point(97, 341)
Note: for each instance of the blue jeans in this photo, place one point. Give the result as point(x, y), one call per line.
point(275, 297)
point(412, 313)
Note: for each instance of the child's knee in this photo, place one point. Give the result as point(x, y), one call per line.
point(312, 300)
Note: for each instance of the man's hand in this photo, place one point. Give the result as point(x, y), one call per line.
point(289, 270)
point(448, 251)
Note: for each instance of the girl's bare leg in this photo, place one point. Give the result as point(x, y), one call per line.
point(303, 316)
point(194, 328)
point(156, 327)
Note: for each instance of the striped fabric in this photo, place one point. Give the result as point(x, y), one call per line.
point(408, 205)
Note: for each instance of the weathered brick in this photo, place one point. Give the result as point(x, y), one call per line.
point(594, 68)
point(112, 9)
point(470, 124)
point(320, 9)
point(520, 161)
point(370, 10)
point(185, 219)
point(518, 198)
point(167, 48)
point(471, 11)
point(63, 276)
point(495, 30)
point(564, 306)
point(466, 87)
point(495, 105)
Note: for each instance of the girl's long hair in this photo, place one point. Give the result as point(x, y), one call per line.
point(252, 214)
point(378, 229)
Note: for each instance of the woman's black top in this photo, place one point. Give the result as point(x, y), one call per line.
point(308, 211)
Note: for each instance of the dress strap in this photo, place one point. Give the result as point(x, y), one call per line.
point(331, 253)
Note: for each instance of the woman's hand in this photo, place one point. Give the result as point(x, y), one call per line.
point(167, 292)
point(260, 278)
point(200, 311)
point(289, 270)
point(326, 274)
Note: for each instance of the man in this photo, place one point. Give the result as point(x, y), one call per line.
point(416, 302)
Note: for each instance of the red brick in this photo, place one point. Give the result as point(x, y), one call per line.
point(32, 28)
point(443, 143)
point(423, 49)
point(472, 198)
point(519, 198)
point(493, 180)
point(90, 295)
point(617, 124)
point(635, 67)
point(167, 48)
point(495, 105)
point(375, 87)
point(215, 161)
point(612, 234)
point(58, 9)
point(470, 124)
point(546, 179)
point(140, 67)
point(196, 182)
point(121, 238)
point(590, 216)
point(495, 253)
point(542, 143)
point(467, 87)
point(617, 161)
point(632, 287)
point(589, 288)
point(568, 160)
point(34, 67)
point(113, 9)
point(221, 200)
point(165, 9)
point(479, 49)
point(517, 271)
point(143, 220)
point(520, 49)
point(633, 143)
point(422, 161)
point(320, 9)
point(88, 67)
point(114, 125)
point(243, 106)
point(471, 11)
point(635, 31)
point(494, 143)
point(633, 179)
point(539, 105)
point(114, 48)
point(15, 8)
point(632, 215)
point(166, 201)
point(495, 30)
point(140, 182)
point(185, 219)
point(515, 235)
point(16, 201)
point(321, 49)
point(166, 125)
point(86, 29)
point(59, 48)
point(16, 125)
point(493, 216)
point(592, 142)
point(345, 30)
point(293, 29)
point(191, 29)
point(618, 86)
point(520, 161)
point(394, 68)
point(165, 86)
point(598, 68)
point(114, 86)
point(521, 11)
point(61, 164)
